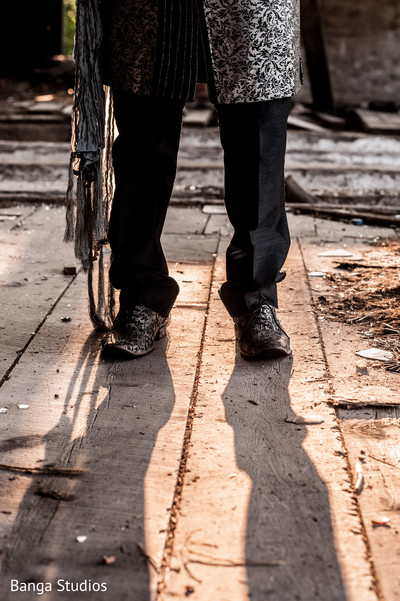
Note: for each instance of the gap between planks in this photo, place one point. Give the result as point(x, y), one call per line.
point(240, 449)
point(34, 269)
point(370, 435)
point(99, 402)
point(176, 503)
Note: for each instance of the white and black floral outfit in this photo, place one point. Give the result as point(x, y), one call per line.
point(252, 47)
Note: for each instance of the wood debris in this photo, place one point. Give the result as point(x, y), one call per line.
point(360, 478)
point(53, 471)
point(367, 293)
point(69, 270)
point(304, 123)
point(379, 121)
point(392, 366)
point(380, 521)
point(304, 420)
point(109, 559)
point(364, 396)
point(206, 560)
point(54, 494)
point(147, 557)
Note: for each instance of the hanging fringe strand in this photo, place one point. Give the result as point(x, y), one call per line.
point(91, 181)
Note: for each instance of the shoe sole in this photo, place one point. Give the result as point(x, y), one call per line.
point(115, 351)
point(267, 354)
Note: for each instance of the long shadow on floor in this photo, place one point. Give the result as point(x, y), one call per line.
point(124, 405)
point(288, 514)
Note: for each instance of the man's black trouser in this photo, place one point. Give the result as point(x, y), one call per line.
point(253, 137)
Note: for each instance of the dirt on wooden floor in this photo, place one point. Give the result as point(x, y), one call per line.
point(367, 293)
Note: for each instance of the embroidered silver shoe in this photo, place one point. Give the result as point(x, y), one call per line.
point(260, 335)
point(134, 333)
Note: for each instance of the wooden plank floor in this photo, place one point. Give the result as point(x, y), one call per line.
point(181, 466)
point(32, 281)
point(267, 504)
point(123, 424)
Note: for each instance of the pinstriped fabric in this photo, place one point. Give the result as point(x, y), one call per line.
point(175, 64)
point(150, 47)
point(163, 48)
point(251, 47)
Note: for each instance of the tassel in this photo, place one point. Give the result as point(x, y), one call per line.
point(90, 185)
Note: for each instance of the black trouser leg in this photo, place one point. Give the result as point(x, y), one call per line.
point(144, 155)
point(253, 137)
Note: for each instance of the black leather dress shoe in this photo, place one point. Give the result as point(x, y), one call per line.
point(260, 335)
point(134, 333)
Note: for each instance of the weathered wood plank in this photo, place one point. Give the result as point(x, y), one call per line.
point(367, 395)
point(258, 489)
point(11, 217)
point(302, 123)
point(198, 117)
point(190, 246)
point(52, 130)
point(199, 164)
point(379, 122)
point(33, 257)
point(331, 232)
point(343, 340)
point(187, 221)
point(37, 152)
point(218, 223)
point(122, 422)
point(338, 167)
point(374, 438)
point(369, 434)
point(347, 214)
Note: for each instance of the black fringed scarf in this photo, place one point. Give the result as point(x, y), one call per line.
point(90, 187)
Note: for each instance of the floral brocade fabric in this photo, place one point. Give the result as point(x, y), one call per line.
point(253, 47)
point(130, 29)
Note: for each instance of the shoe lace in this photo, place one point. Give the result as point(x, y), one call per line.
point(268, 312)
point(263, 309)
